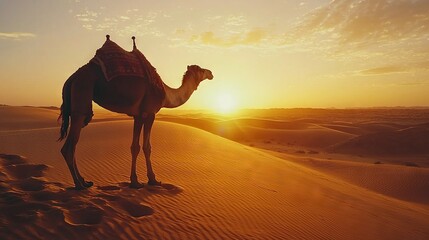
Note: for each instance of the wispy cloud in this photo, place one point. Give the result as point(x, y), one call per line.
point(252, 37)
point(226, 31)
point(384, 70)
point(361, 27)
point(393, 69)
point(87, 16)
point(130, 22)
point(236, 20)
point(366, 23)
point(414, 83)
point(16, 35)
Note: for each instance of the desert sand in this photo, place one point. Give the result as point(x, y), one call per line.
point(284, 175)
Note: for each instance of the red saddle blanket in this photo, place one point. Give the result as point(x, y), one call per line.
point(116, 62)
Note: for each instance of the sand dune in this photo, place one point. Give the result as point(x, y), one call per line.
point(289, 133)
point(363, 136)
point(214, 189)
point(21, 118)
point(400, 182)
point(407, 141)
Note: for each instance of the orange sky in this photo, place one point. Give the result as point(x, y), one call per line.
point(342, 53)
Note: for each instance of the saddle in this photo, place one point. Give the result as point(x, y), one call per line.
point(116, 62)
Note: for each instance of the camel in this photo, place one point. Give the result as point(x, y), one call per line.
point(134, 96)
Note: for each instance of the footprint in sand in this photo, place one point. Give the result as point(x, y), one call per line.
point(35, 197)
point(19, 182)
point(25, 170)
point(29, 184)
point(24, 212)
point(167, 188)
point(133, 209)
point(12, 159)
point(136, 210)
point(22, 175)
point(85, 216)
point(25, 197)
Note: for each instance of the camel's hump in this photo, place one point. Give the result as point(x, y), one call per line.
point(116, 62)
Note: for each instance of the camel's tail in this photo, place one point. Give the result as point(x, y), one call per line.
point(65, 110)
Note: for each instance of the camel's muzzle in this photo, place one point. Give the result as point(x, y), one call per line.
point(209, 75)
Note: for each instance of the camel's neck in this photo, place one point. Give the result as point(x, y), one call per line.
point(177, 97)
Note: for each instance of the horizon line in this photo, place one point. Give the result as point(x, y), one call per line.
point(245, 109)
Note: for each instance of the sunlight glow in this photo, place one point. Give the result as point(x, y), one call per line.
point(226, 103)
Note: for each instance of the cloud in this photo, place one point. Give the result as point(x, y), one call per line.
point(392, 69)
point(366, 22)
point(236, 21)
point(225, 31)
point(363, 28)
point(414, 83)
point(384, 70)
point(87, 16)
point(16, 35)
point(130, 22)
point(252, 37)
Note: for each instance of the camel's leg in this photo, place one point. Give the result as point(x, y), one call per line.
point(87, 184)
point(81, 113)
point(69, 148)
point(148, 122)
point(135, 149)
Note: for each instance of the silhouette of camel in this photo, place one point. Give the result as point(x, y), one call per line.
point(134, 96)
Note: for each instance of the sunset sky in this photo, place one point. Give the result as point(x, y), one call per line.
point(263, 54)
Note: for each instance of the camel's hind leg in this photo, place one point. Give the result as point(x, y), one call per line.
point(69, 149)
point(81, 113)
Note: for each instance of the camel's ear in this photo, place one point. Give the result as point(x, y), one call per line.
point(189, 67)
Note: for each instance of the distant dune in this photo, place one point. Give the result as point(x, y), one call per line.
point(19, 118)
point(292, 133)
point(373, 138)
point(213, 188)
point(407, 141)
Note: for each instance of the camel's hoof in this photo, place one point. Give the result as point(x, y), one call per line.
point(79, 187)
point(84, 185)
point(136, 185)
point(154, 183)
point(88, 184)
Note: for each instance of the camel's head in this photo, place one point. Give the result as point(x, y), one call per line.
point(198, 74)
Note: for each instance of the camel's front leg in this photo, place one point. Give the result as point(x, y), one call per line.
point(147, 149)
point(135, 149)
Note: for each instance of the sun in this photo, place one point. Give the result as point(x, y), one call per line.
point(226, 103)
